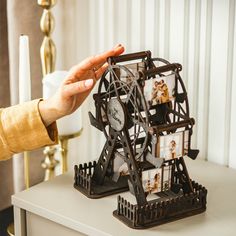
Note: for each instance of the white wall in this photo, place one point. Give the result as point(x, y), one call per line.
point(199, 34)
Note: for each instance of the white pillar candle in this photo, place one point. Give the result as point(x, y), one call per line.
point(24, 70)
point(69, 124)
point(24, 89)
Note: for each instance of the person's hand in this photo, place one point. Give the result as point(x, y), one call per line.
point(76, 87)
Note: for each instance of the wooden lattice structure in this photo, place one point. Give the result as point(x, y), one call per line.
point(142, 109)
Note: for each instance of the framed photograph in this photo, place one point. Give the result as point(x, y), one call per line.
point(134, 68)
point(170, 146)
point(166, 185)
point(159, 90)
point(120, 167)
point(173, 145)
point(151, 180)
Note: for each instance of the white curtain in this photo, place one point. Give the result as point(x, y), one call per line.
point(199, 34)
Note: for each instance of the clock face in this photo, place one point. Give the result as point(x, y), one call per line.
point(116, 114)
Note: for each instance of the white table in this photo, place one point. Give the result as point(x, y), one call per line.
point(56, 208)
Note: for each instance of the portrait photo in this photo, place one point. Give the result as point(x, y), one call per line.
point(159, 90)
point(151, 180)
point(173, 145)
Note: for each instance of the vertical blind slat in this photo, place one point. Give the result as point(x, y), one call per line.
point(196, 53)
point(202, 95)
point(162, 26)
point(218, 79)
point(232, 87)
point(167, 29)
point(156, 27)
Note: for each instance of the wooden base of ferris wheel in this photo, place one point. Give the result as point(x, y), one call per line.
point(169, 207)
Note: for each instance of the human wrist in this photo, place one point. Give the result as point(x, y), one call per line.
point(48, 112)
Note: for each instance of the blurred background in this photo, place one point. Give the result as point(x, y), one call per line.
point(199, 34)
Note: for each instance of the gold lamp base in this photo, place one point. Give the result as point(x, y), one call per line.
point(10, 230)
point(63, 139)
point(49, 163)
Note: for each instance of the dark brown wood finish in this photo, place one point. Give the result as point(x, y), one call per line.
point(132, 128)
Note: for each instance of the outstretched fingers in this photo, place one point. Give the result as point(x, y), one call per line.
point(96, 61)
point(77, 87)
point(92, 67)
point(100, 71)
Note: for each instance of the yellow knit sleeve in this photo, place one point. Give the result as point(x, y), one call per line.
point(21, 129)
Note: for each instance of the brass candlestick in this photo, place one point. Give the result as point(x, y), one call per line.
point(48, 48)
point(10, 230)
point(49, 162)
point(26, 169)
point(63, 139)
point(48, 60)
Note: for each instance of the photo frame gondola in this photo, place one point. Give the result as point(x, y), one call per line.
point(173, 145)
point(160, 89)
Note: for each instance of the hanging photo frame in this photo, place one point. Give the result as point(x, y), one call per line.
point(151, 180)
point(173, 145)
point(160, 90)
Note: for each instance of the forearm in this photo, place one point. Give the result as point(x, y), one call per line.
point(22, 128)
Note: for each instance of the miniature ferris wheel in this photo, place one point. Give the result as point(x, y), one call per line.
point(142, 108)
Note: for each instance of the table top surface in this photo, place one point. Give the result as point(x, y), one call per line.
point(58, 201)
